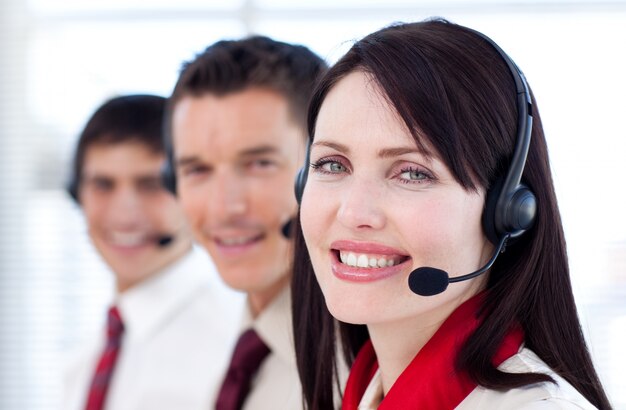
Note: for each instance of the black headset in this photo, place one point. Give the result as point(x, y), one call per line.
point(510, 207)
point(72, 187)
point(168, 173)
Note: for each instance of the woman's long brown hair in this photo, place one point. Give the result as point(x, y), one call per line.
point(452, 88)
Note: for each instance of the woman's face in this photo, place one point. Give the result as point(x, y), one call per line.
point(375, 208)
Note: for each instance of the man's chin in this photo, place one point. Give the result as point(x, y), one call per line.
point(243, 278)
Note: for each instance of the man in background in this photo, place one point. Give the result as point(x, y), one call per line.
point(168, 328)
point(238, 125)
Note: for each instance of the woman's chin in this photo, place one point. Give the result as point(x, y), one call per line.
point(347, 313)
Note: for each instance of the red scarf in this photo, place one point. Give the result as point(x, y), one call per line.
point(431, 380)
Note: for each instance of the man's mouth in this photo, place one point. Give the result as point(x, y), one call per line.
point(242, 240)
point(127, 239)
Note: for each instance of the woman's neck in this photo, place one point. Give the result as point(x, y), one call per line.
point(397, 343)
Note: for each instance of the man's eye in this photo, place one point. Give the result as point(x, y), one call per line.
point(101, 185)
point(194, 170)
point(261, 164)
point(152, 185)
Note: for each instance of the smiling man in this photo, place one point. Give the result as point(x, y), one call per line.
point(170, 324)
point(238, 135)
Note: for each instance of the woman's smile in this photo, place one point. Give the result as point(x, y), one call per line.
point(365, 262)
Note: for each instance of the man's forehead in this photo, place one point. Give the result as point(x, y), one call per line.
point(239, 153)
point(117, 173)
point(121, 160)
point(128, 148)
point(233, 123)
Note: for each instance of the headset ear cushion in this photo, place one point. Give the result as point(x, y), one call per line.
point(521, 210)
point(301, 177)
point(489, 213)
point(72, 190)
point(168, 178)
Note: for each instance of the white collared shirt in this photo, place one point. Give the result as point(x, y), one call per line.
point(540, 396)
point(276, 386)
point(180, 327)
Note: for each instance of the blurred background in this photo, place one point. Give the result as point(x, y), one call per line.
point(59, 59)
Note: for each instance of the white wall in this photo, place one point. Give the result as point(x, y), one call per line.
point(60, 59)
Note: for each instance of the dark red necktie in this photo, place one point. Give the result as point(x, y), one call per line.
point(247, 357)
point(106, 364)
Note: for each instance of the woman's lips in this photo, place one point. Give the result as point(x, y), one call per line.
point(365, 262)
point(365, 247)
point(369, 260)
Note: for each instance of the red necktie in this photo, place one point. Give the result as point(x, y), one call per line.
point(106, 364)
point(247, 357)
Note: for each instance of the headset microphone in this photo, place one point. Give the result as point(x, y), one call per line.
point(287, 229)
point(428, 281)
point(164, 240)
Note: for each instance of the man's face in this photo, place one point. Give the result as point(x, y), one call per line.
point(128, 211)
point(236, 157)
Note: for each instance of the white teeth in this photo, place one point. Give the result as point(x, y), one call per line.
point(127, 239)
point(366, 261)
point(351, 260)
point(235, 241)
point(363, 262)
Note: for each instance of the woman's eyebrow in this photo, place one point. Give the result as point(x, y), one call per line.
point(382, 153)
point(334, 145)
point(394, 152)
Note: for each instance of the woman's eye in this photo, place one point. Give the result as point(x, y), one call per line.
point(329, 166)
point(411, 175)
point(334, 167)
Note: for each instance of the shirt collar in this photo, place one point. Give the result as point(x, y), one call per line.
point(274, 326)
point(373, 394)
point(431, 380)
point(145, 306)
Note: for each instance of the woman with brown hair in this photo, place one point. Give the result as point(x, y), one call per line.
point(430, 235)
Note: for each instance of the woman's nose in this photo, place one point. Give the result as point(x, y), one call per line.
point(361, 204)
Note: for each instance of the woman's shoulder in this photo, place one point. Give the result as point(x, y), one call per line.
point(540, 396)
